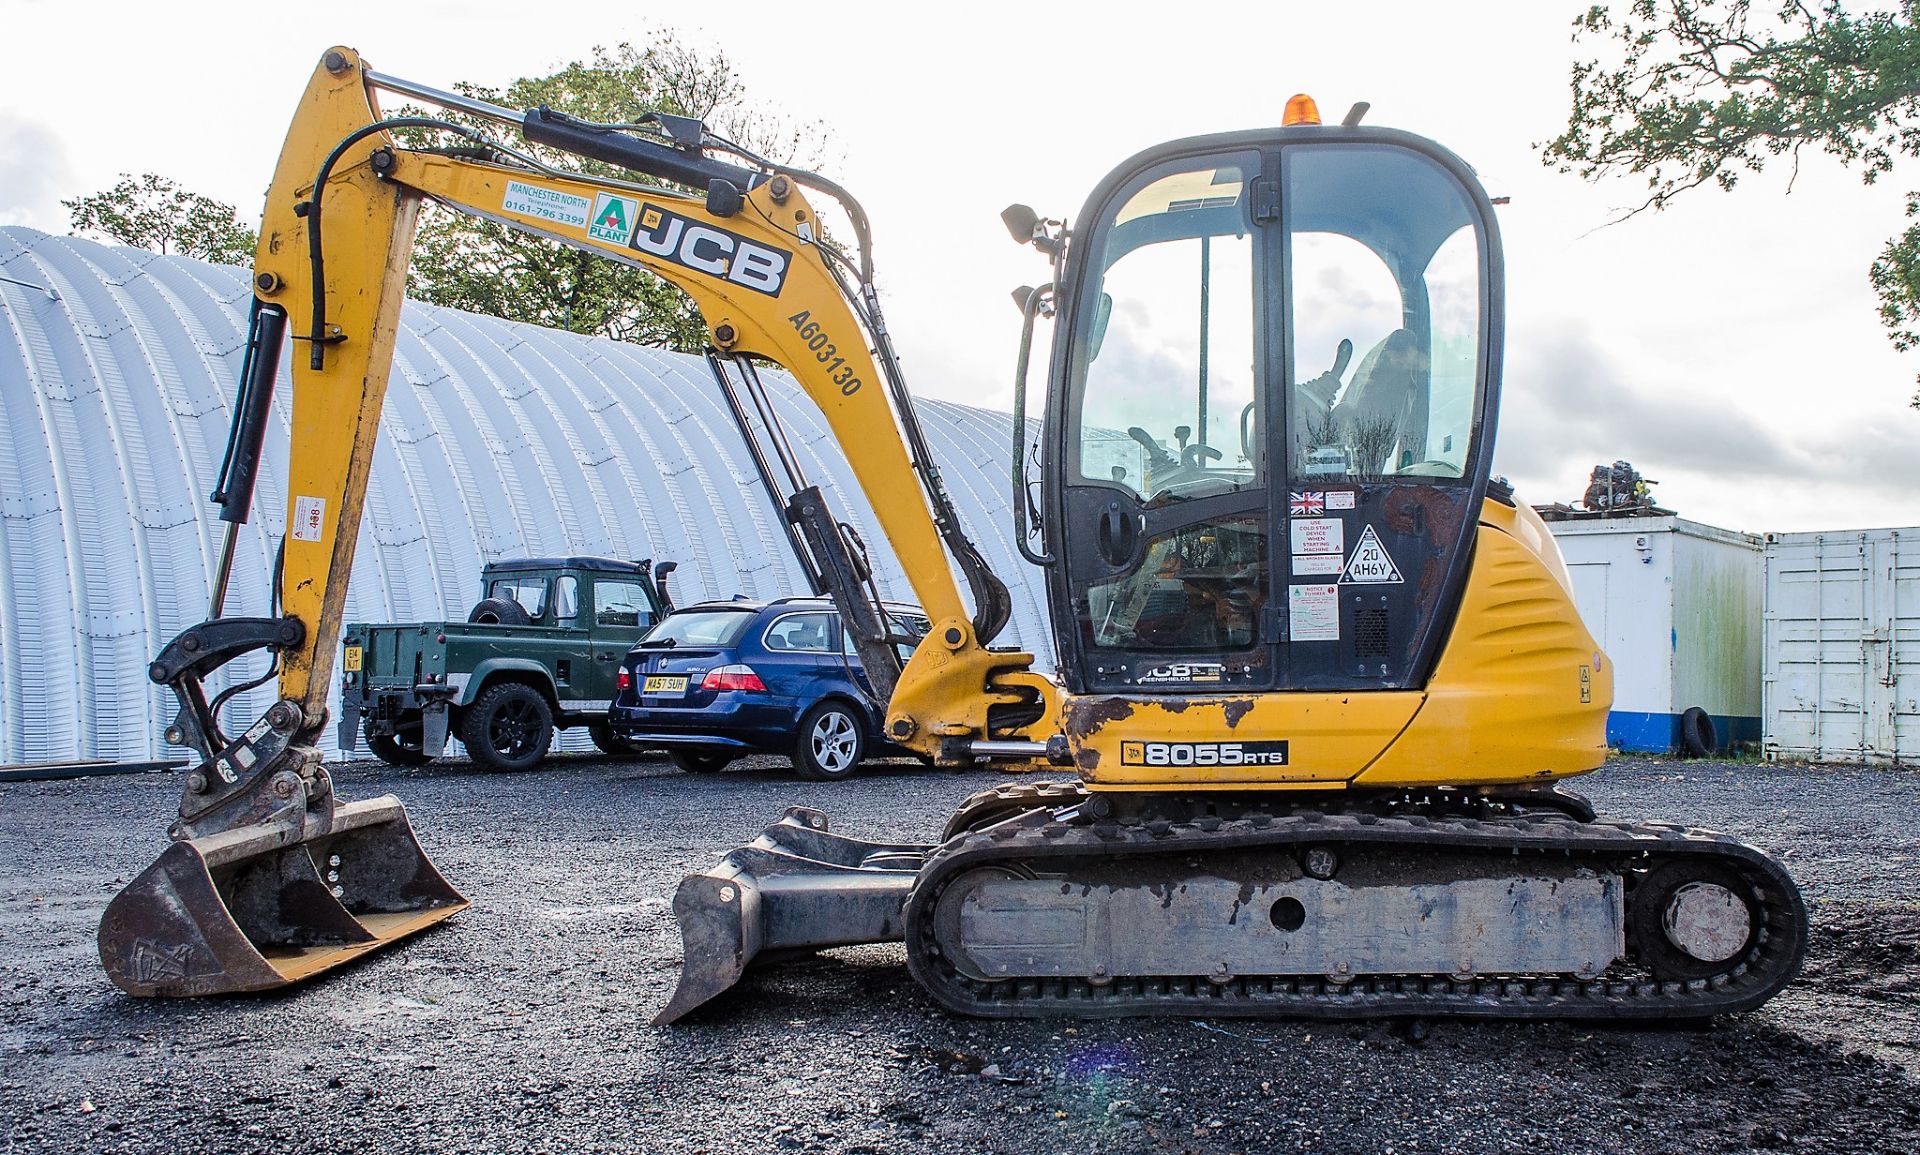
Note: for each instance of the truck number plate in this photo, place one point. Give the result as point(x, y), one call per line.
point(350, 662)
point(662, 685)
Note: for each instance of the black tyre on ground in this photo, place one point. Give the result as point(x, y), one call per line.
point(500, 612)
point(1697, 736)
point(831, 742)
point(612, 743)
point(508, 727)
point(398, 749)
point(701, 761)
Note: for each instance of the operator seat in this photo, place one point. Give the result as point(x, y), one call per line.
point(1383, 392)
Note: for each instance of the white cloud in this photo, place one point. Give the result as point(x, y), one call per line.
point(34, 175)
point(1780, 464)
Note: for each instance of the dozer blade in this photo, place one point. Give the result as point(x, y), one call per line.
point(264, 905)
point(794, 888)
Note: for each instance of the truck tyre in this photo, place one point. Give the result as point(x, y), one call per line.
point(612, 743)
point(701, 761)
point(500, 612)
point(1697, 736)
point(399, 749)
point(508, 727)
point(831, 742)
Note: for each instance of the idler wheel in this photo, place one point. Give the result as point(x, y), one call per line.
point(1693, 920)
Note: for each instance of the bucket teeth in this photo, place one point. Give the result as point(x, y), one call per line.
point(263, 906)
point(796, 887)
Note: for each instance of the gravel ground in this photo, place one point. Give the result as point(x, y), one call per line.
point(521, 1025)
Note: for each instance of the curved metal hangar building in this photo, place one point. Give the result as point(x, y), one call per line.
point(117, 370)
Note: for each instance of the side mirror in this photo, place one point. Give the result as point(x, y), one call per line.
point(1021, 296)
point(1097, 327)
point(1020, 221)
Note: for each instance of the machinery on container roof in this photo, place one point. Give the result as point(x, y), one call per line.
point(1319, 675)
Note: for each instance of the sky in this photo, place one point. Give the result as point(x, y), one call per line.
point(1728, 346)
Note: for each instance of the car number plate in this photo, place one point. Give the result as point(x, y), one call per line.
point(664, 685)
point(351, 661)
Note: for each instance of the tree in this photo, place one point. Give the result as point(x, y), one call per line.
point(152, 212)
point(1700, 92)
point(485, 267)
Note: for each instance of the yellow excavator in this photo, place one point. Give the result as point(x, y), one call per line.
point(1319, 673)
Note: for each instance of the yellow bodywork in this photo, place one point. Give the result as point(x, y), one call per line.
point(336, 409)
point(1520, 693)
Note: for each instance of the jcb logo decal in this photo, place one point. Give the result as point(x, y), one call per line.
point(713, 251)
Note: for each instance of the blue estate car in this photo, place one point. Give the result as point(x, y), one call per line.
point(719, 680)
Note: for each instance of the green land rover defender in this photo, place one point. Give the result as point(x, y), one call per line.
point(541, 650)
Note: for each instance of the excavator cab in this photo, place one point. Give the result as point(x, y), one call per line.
point(1275, 370)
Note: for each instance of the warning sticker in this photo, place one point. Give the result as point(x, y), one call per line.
point(309, 518)
point(1316, 563)
point(1317, 535)
point(613, 218)
point(1339, 499)
point(1313, 613)
point(1370, 563)
point(548, 204)
point(1325, 460)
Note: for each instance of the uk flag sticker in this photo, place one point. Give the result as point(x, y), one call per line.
point(1311, 503)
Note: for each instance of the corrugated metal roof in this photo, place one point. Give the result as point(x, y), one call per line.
point(498, 440)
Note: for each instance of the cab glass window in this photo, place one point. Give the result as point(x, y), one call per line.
point(1384, 260)
point(566, 597)
point(1166, 405)
point(621, 603)
point(530, 592)
point(1199, 588)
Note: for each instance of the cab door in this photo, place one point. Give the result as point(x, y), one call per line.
point(1267, 429)
point(1167, 500)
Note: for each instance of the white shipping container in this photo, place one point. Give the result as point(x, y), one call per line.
point(1842, 680)
point(1676, 607)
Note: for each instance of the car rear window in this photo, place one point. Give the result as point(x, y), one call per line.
point(701, 628)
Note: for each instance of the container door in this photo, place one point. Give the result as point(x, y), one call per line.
point(1838, 687)
point(1900, 663)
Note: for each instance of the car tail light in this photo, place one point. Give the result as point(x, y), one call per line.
point(625, 682)
point(734, 677)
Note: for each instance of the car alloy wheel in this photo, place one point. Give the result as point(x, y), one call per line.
point(830, 743)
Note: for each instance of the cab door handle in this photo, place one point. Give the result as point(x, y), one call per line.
point(1119, 532)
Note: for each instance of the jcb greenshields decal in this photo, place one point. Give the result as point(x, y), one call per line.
point(612, 219)
point(714, 251)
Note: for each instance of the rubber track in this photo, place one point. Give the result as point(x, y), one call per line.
point(985, 807)
point(1038, 838)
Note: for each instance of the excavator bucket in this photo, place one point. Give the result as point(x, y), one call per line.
point(793, 889)
point(264, 905)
